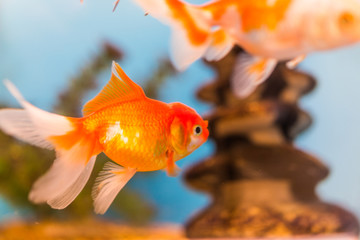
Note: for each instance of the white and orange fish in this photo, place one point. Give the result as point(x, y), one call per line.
point(268, 30)
point(136, 132)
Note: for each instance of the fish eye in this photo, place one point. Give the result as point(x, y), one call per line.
point(346, 18)
point(197, 130)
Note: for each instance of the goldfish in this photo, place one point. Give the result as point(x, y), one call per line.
point(139, 134)
point(268, 30)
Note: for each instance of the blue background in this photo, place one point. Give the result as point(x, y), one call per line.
point(43, 43)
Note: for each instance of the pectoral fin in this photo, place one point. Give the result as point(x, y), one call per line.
point(179, 136)
point(249, 72)
point(294, 62)
point(171, 168)
point(108, 184)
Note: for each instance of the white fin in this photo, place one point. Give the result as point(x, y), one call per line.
point(221, 40)
point(221, 44)
point(17, 123)
point(294, 62)
point(108, 184)
point(63, 200)
point(187, 43)
point(32, 124)
point(231, 21)
point(250, 71)
point(183, 53)
point(66, 170)
point(71, 169)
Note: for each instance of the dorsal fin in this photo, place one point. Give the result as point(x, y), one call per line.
point(120, 88)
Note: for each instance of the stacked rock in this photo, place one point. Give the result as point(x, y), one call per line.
point(261, 185)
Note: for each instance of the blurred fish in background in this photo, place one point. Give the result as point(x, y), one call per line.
point(269, 32)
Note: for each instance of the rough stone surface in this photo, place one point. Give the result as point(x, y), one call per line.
point(271, 220)
point(261, 185)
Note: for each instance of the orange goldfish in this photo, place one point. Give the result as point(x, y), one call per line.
point(136, 132)
point(268, 30)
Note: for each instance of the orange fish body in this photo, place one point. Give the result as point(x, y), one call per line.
point(136, 132)
point(268, 30)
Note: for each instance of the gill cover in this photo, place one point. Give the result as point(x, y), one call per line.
point(179, 136)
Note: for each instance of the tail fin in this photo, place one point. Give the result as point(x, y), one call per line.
point(249, 72)
point(221, 44)
point(191, 29)
point(31, 124)
point(75, 150)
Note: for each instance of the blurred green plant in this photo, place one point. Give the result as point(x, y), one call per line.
point(21, 164)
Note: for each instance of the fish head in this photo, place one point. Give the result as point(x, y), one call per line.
point(188, 130)
point(339, 23)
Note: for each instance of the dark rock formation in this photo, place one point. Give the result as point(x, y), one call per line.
point(262, 186)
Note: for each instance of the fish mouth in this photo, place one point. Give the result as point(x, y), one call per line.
point(195, 142)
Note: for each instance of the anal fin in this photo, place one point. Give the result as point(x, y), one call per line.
point(108, 184)
point(249, 72)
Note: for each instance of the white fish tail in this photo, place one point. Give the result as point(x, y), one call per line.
point(191, 29)
point(31, 124)
point(74, 162)
point(222, 40)
point(249, 72)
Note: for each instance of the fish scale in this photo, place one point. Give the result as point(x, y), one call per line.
point(134, 134)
